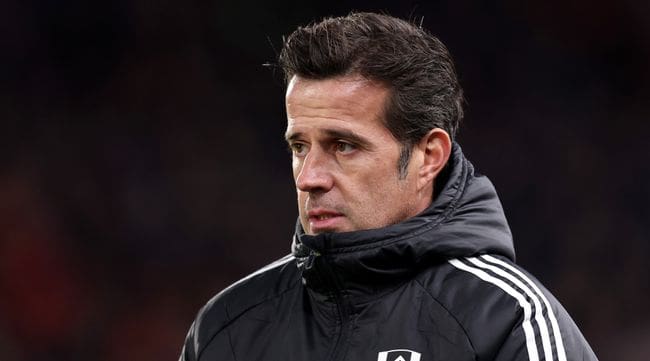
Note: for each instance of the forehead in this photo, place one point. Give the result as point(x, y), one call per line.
point(346, 101)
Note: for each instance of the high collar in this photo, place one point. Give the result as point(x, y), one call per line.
point(465, 218)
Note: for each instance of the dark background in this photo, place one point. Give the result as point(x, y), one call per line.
point(142, 165)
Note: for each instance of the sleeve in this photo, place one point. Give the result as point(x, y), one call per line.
point(539, 327)
point(562, 341)
point(208, 337)
point(188, 352)
point(516, 347)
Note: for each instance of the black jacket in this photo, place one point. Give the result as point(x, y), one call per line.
point(438, 286)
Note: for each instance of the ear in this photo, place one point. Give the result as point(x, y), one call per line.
point(435, 146)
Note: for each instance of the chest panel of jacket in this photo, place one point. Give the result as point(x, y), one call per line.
point(310, 329)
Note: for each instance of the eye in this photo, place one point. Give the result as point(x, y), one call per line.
point(298, 149)
point(344, 147)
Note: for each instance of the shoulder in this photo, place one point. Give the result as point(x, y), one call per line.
point(224, 308)
point(500, 305)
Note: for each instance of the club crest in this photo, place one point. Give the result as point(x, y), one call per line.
point(398, 355)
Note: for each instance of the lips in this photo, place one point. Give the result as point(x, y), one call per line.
point(321, 213)
point(323, 217)
point(324, 220)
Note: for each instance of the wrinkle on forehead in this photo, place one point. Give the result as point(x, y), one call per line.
point(343, 96)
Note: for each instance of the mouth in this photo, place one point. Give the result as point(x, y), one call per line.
point(322, 217)
point(321, 220)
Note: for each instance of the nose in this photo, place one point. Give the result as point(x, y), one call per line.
point(314, 174)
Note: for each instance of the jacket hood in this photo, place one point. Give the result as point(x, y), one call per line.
point(465, 219)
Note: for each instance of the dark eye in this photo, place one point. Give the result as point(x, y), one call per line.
point(343, 147)
point(298, 149)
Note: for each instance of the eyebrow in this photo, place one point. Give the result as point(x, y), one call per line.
point(337, 134)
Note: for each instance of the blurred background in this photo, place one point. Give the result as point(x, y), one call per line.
point(143, 168)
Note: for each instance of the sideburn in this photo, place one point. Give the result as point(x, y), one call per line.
point(403, 161)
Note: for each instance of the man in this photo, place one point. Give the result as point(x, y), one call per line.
point(401, 251)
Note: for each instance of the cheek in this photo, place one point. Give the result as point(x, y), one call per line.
point(377, 190)
point(295, 168)
point(389, 194)
point(301, 199)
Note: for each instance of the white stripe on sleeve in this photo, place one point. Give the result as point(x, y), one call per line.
point(539, 316)
point(556, 328)
point(531, 344)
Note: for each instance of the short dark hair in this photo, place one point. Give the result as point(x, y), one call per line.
point(415, 65)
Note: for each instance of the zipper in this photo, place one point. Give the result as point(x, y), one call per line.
point(342, 305)
point(311, 257)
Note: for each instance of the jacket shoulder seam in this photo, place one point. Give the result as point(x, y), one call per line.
point(462, 327)
point(232, 348)
point(231, 320)
point(221, 300)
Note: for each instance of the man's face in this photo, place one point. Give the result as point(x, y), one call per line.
point(344, 158)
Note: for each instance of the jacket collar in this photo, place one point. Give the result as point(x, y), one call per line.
point(466, 218)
